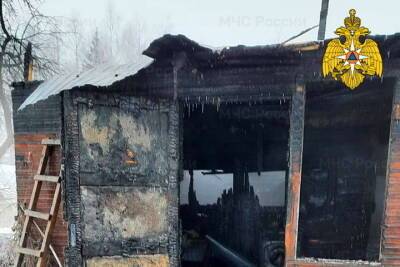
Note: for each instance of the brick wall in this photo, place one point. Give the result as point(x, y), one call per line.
point(28, 150)
point(31, 125)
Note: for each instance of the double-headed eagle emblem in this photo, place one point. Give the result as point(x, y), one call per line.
point(352, 56)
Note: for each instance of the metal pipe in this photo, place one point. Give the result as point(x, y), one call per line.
point(233, 258)
point(322, 19)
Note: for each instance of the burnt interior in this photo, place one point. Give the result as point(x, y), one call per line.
point(344, 170)
point(233, 188)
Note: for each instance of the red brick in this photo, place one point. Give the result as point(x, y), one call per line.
point(29, 148)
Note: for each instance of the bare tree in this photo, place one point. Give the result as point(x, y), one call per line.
point(17, 30)
point(97, 52)
point(112, 24)
point(133, 41)
point(76, 40)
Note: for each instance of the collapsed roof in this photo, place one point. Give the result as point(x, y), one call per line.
point(304, 56)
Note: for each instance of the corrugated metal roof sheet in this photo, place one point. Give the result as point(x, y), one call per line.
point(103, 75)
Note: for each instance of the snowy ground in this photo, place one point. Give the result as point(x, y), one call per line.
point(4, 240)
point(8, 205)
point(6, 250)
point(8, 208)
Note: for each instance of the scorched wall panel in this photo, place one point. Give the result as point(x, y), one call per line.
point(123, 147)
point(123, 220)
point(122, 193)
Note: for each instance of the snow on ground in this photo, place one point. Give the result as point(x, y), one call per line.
point(7, 253)
point(8, 197)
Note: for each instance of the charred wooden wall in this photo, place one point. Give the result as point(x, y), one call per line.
point(31, 125)
point(344, 161)
point(345, 117)
point(121, 191)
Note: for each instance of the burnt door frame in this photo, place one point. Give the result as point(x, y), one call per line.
point(296, 134)
point(390, 228)
point(72, 183)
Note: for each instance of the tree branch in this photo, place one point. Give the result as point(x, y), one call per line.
point(2, 21)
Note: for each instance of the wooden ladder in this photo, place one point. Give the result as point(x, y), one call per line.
point(30, 212)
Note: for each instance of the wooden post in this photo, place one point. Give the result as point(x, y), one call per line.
point(178, 61)
point(295, 164)
point(322, 19)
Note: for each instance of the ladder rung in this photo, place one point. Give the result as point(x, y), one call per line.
point(37, 214)
point(28, 251)
point(47, 178)
point(51, 142)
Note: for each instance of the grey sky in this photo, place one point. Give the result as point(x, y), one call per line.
point(232, 22)
point(269, 187)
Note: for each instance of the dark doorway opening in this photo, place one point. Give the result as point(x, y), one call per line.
point(344, 171)
point(233, 189)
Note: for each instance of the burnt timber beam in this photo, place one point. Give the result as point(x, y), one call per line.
point(73, 252)
point(295, 162)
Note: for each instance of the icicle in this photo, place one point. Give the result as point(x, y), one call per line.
point(388, 54)
point(202, 107)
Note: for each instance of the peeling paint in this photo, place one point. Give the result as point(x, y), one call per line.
point(92, 134)
point(118, 212)
point(136, 215)
point(122, 147)
point(135, 133)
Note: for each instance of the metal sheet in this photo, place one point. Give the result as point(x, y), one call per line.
point(103, 75)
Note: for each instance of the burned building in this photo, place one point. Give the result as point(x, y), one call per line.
point(243, 156)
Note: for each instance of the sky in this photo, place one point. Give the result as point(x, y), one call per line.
point(219, 23)
point(268, 186)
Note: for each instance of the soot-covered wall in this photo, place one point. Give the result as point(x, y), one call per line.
point(122, 198)
point(344, 171)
